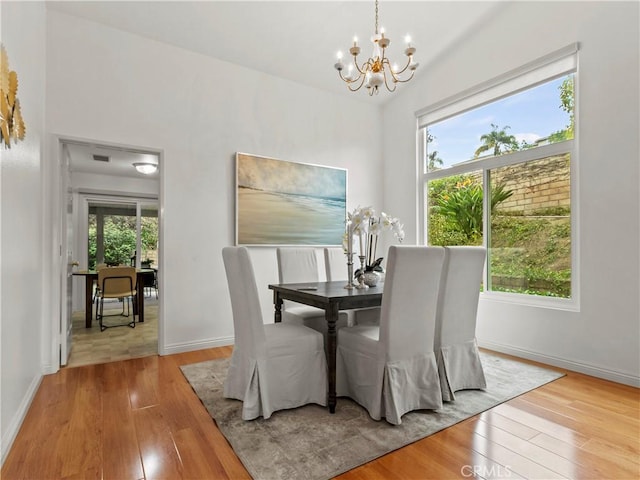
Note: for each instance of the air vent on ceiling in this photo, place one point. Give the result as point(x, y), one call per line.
point(101, 158)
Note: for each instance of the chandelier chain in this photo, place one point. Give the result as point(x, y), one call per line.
point(376, 17)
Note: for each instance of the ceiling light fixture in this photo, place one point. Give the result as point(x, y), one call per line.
point(377, 70)
point(146, 167)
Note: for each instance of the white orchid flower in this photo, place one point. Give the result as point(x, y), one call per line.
point(345, 242)
point(358, 229)
point(375, 228)
point(368, 212)
point(398, 231)
point(366, 225)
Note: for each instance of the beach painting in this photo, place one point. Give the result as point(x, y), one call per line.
point(287, 203)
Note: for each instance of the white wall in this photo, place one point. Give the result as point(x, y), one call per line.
point(21, 252)
point(603, 337)
point(108, 85)
point(114, 185)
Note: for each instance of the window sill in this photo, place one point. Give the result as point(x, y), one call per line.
point(566, 304)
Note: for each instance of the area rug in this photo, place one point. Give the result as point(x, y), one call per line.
point(312, 444)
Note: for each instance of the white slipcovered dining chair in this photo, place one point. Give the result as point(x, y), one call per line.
point(459, 364)
point(275, 366)
point(335, 264)
point(391, 369)
point(300, 265)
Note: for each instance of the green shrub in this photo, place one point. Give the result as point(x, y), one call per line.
point(459, 199)
point(120, 238)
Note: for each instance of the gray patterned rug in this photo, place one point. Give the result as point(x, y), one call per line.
point(309, 443)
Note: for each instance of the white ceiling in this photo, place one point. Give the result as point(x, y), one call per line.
point(120, 164)
point(295, 40)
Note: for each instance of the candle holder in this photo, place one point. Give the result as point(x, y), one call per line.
point(349, 285)
point(361, 285)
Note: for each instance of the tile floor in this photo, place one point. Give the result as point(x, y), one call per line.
point(90, 345)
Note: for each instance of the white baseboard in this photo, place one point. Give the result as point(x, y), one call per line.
point(12, 431)
point(199, 345)
point(587, 369)
point(48, 369)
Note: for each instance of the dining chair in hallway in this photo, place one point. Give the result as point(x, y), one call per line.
point(275, 366)
point(300, 265)
point(335, 264)
point(116, 283)
point(150, 282)
point(96, 290)
point(455, 345)
point(390, 369)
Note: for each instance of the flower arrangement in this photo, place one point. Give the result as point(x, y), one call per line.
point(367, 225)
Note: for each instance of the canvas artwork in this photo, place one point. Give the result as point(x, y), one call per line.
point(287, 203)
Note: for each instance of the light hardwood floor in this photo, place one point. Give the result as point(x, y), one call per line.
point(139, 418)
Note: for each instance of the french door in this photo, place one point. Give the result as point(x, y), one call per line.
point(115, 231)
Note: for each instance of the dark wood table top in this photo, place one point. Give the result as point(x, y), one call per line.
point(321, 294)
point(89, 273)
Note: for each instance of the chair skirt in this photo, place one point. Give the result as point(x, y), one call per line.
point(460, 368)
point(272, 381)
point(386, 389)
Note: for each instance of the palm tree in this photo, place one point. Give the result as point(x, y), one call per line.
point(433, 160)
point(496, 140)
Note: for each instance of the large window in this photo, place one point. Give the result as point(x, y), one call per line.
point(497, 172)
point(113, 238)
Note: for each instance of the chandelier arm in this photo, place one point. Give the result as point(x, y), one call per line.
point(399, 72)
point(384, 75)
point(362, 70)
point(394, 75)
point(386, 65)
point(406, 79)
point(361, 78)
point(346, 80)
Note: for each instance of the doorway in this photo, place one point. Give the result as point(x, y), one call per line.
point(111, 215)
point(116, 231)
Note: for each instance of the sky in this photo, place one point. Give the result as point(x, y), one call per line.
point(531, 114)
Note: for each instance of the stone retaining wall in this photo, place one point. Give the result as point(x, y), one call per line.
point(541, 185)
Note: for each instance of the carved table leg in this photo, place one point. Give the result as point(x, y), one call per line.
point(331, 314)
point(277, 302)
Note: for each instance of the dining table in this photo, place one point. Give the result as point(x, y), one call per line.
point(330, 297)
point(91, 277)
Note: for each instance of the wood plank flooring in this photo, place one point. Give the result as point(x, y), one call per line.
point(139, 419)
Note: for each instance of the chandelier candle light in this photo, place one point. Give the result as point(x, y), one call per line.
point(376, 70)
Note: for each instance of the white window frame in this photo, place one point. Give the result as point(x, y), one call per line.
point(557, 64)
point(83, 220)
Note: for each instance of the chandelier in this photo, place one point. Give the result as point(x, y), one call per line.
point(376, 70)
